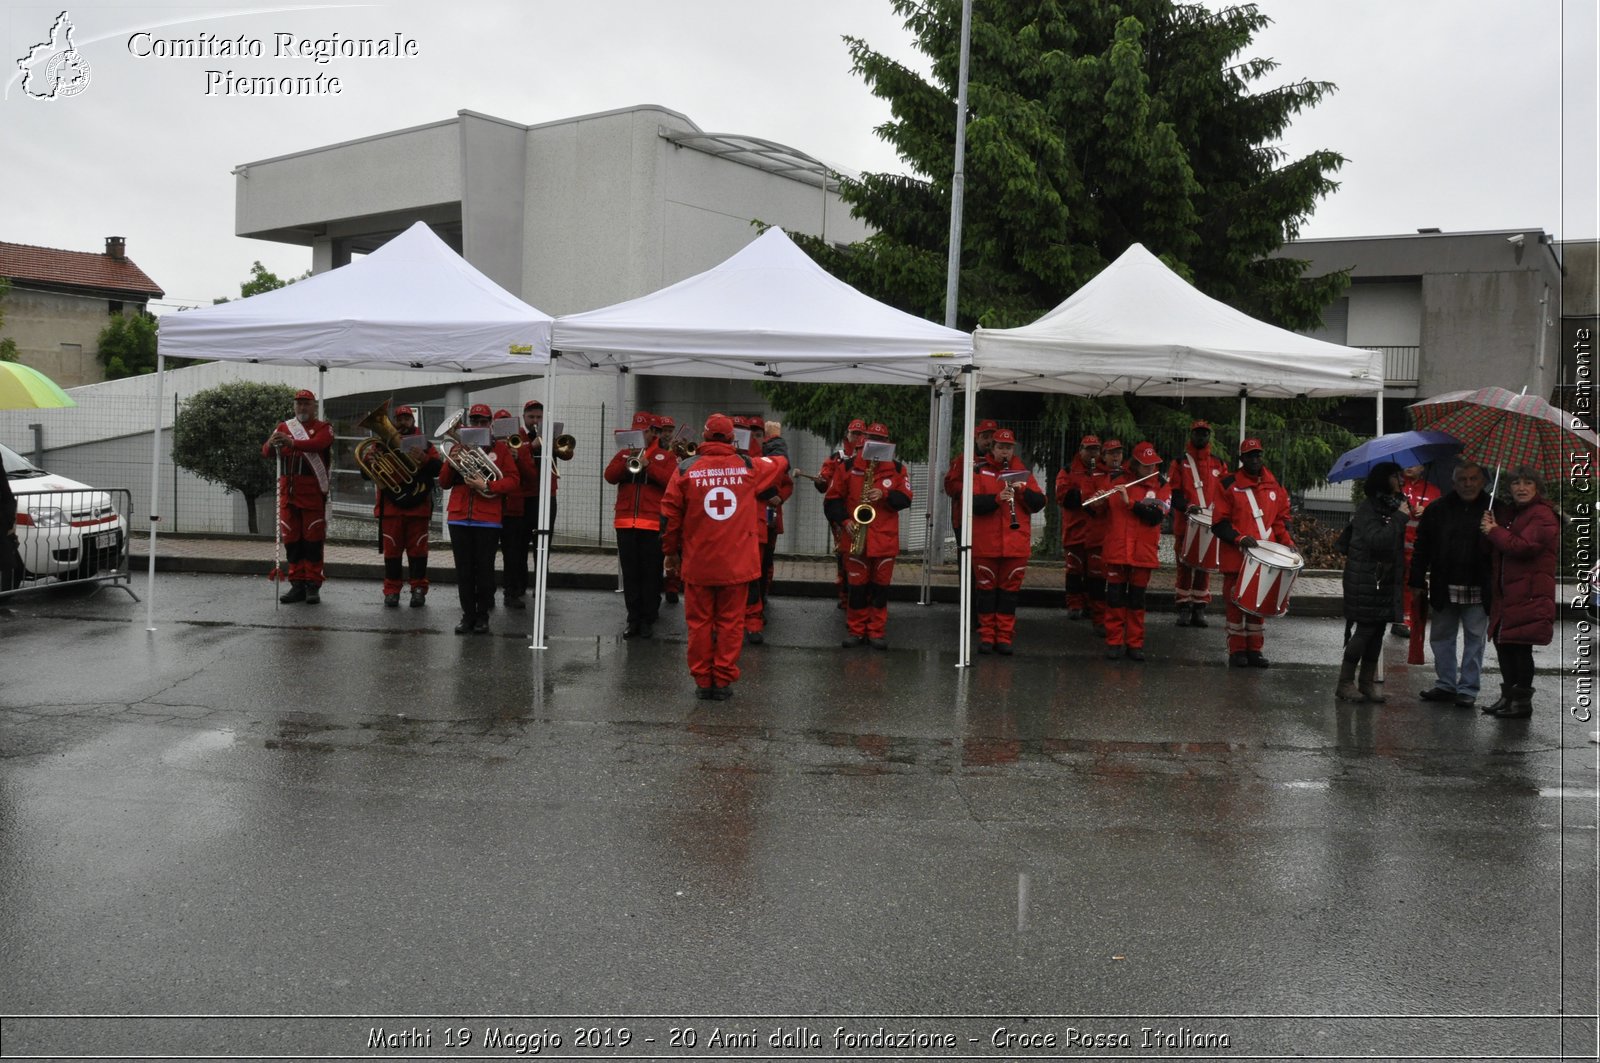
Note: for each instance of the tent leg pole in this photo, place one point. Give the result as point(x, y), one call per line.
point(929, 521)
point(969, 422)
point(541, 552)
point(155, 488)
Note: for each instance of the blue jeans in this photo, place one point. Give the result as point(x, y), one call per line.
point(1473, 624)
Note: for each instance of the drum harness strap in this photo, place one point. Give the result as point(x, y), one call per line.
point(1194, 474)
point(1255, 511)
point(318, 469)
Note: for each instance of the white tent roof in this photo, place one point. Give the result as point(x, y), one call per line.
point(413, 303)
point(768, 311)
point(1140, 327)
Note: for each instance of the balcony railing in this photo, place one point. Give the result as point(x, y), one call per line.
point(1399, 365)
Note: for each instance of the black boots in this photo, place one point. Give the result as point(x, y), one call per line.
point(1346, 690)
point(1519, 704)
point(1501, 702)
point(296, 593)
point(1367, 683)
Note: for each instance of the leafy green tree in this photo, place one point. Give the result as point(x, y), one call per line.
point(8, 346)
point(261, 280)
point(1091, 126)
point(218, 435)
point(127, 345)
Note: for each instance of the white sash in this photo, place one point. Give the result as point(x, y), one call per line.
point(1194, 474)
point(1255, 511)
point(318, 469)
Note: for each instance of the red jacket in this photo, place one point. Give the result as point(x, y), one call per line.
point(1232, 515)
point(1133, 528)
point(528, 472)
point(1096, 518)
point(639, 496)
point(1074, 484)
point(1525, 540)
point(1416, 493)
point(850, 479)
point(299, 482)
point(1196, 479)
point(992, 534)
point(712, 513)
point(466, 504)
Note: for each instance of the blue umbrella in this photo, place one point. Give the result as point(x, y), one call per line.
point(1403, 448)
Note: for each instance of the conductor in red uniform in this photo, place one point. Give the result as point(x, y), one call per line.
point(712, 506)
point(305, 444)
point(1251, 507)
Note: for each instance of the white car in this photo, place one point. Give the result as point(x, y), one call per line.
point(64, 528)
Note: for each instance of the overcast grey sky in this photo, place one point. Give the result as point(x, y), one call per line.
point(1462, 114)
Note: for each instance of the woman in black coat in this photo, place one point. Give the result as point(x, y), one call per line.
point(1374, 571)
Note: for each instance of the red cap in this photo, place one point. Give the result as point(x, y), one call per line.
point(480, 410)
point(857, 425)
point(758, 426)
point(876, 430)
point(1200, 424)
point(1004, 435)
point(304, 394)
point(501, 413)
point(405, 411)
point(533, 404)
point(1250, 444)
point(1089, 441)
point(719, 426)
point(986, 426)
point(1146, 454)
point(644, 420)
point(663, 421)
point(1111, 444)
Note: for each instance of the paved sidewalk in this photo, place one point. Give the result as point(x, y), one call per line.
point(587, 568)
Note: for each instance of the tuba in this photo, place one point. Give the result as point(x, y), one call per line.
point(466, 460)
point(381, 457)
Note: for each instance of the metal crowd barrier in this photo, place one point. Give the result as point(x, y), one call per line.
point(68, 537)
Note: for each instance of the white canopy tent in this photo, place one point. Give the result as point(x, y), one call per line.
point(767, 312)
point(411, 304)
point(1139, 327)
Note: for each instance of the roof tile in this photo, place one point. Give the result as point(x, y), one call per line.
point(77, 269)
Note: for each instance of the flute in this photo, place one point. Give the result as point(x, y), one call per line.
point(1108, 492)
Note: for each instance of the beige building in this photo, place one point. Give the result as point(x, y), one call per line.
point(61, 300)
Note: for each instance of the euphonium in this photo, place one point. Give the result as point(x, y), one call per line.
point(467, 460)
point(860, 518)
point(381, 456)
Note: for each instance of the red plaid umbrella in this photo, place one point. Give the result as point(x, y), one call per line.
point(1501, 428)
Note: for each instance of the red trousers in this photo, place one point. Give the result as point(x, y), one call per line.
point(998, 581)
point(1094, 581)
point(1246, 631)
point(1125, 594)
point(1077, 565)
point(304, 528)
point(715, 618)
point(868, 601)
point(405, 534)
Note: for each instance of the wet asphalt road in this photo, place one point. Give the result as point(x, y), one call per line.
point(373, 815)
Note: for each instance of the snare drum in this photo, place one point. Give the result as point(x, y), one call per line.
point(1267, 573)
point(1200, 549)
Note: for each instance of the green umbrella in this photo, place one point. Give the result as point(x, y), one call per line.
point(25, 388)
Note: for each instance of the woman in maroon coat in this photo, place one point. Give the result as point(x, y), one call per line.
point(1525, 536)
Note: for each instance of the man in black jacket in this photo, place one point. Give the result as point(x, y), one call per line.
point(1451, 565)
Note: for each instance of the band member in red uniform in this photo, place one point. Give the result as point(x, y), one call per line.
point(1195, 478)
point(1074, 484)
point(886, 487)
point(306, 446)
point(1251, 507)
point(1132, 550)
point(982, 441)
point(475, 514)
point(1415, 494)
point(404, 517)
point(712, 507)
point(637, 519)
point(772, 442)
point(666, 429)
point(1002, 539)
point(1094, 534)
point(528, 458)
point(854, 434)
point(516, 527)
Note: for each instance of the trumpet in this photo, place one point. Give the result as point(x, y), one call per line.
point(1108, 492)
point(468, 461)
point(636, 463)
point(685, 448)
